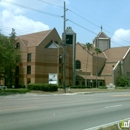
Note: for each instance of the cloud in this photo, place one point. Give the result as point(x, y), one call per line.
point(20, 23)
point(13, 16)
point(37, 4)
point(121, 37)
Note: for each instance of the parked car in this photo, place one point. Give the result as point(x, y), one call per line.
point(2, 87)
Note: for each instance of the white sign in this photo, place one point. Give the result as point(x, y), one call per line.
point(53, 78)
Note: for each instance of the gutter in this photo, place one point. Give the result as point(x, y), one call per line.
point(113, 73)
point(126, 53)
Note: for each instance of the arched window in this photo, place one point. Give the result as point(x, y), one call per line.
point(78, 64)
point(17, 45)
point(77, 82)
point(83, 83)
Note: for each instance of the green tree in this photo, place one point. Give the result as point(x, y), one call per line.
point(12, 37)
point(87, 46)
point(97, 51)
point(8, 57)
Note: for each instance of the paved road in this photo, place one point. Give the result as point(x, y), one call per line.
point(62, 112)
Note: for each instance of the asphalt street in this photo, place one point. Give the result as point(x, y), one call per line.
point(62, 111)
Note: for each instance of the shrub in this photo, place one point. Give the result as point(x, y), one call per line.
point(60, 86)
point(102, 87)
point(122, 81)
point(50, 87)
point(35, 86)
point(78, 86)
point(21, 86)
point(43, 87)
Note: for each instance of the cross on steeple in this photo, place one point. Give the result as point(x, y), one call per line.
point(101, 28)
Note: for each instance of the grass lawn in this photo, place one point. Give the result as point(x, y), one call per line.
point(13, 91)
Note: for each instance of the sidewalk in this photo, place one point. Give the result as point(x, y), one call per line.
point(81, 91)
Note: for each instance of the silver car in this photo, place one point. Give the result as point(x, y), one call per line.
point(2, 87)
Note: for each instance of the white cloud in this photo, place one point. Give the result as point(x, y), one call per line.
point(15, 17)
point(37, 4)
point(121, 37)
point(21, 23)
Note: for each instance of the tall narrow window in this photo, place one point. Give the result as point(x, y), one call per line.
point(29, 57)
point(17, 70)
point(28, 69)
point(60, 58)
point(60, 70)
point(78, 64)
point(17, 45)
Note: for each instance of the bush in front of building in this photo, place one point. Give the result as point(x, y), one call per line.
point(78, 86)
point(35, 86)
point(50, 87)
point(122, 81)
point(43, 87)
point(102, 87)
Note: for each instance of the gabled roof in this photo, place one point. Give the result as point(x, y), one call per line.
point(115, 54)
point(102, 35)
point(34, 39)
point(52, 44)
point(92, 51)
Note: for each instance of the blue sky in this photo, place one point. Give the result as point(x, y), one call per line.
point(84, 16)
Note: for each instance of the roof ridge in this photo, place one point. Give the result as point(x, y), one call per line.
point(34, 33)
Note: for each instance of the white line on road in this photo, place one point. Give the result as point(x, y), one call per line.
point(27, 98)
point(113, 106)
point(17, 108)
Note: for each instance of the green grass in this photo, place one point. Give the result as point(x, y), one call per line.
point(13, 91)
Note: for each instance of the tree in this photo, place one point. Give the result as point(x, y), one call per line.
point(12, 37)
point(97, 51)
point(8, 57)
point(87, 46)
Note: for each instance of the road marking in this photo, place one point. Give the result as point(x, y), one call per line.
point(105, 125)
point(27, 98)
point(113, 106)
point(17, 108)
point(122, 95)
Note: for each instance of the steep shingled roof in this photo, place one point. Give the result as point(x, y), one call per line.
point(34, 39)
point(102, 35)
point(113, 56)
point(92, 51)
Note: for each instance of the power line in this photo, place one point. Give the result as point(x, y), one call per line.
point(97, 26)
point(82, 27)
point(117, 36)
point(51, 4)
point(92, 31)
point(33, 9)
point(84, 18)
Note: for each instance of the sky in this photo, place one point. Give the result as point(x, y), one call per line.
point(84, 16)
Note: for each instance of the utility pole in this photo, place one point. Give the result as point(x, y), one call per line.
point(64, 49)
point(74, 59)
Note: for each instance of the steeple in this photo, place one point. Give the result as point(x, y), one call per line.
point(102, 41)
point(101, 28)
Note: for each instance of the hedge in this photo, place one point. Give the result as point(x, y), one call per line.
point(79, 86)
point(43, 87)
